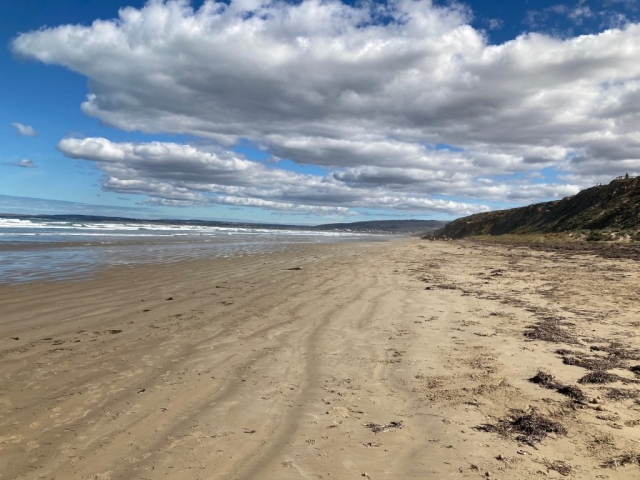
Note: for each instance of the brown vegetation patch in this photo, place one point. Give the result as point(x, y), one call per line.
point(550, 329)
point(565, 351)
point(622, 460)
point(600, 376)
point(546, 380)
point(543, 379)
point(383, 427)
point(529, 428)
point(592, 362)
point(622, 394)
point(563, 468)
point(618, 350)
point(635, 369)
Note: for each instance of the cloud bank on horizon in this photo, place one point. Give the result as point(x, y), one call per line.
point(403, 106)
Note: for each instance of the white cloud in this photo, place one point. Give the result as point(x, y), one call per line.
point(24, 163)
point(24, 130)
point(365, 91)
point(174, 174)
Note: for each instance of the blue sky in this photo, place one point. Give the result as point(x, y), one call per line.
point(48, 98)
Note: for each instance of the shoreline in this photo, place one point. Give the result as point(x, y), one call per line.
point(271, 366)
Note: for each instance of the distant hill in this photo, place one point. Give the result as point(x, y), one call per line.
point(389, 226)
point(612, 206)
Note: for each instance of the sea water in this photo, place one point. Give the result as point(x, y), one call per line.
point(50, 249)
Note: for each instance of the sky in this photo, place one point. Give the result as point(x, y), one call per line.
point(313, 111)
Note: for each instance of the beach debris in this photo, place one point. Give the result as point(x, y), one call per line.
point(625, 459)
point(169, 298)
point(383, 427)
point(565, 351)
point(635, 369)
point(550, 329)
point(543, 379)
point(546, 380)
point(619, 350)
point(563, 468)
point(592, 362)
point(15, 338)
point(142, 390)
point(528, 427)
point(294, 268)
point(600, 376)
point(622, 394)
point(246, 430)
point(114, 332)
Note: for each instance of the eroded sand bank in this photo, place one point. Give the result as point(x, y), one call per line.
point(246, 369)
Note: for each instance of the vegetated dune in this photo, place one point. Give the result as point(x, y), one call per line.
point(612, 206)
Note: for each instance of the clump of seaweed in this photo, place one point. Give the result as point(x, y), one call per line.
point(528, 427)
point(383, 427)
point(563, 468)
point(565, 351)
point(625, 459)
point(546, 380)
point(635, 369)
point(592, 362)
point(573, 392)
point(618, 350)
point(550, 329)
point(622, 394)
point(601, 377)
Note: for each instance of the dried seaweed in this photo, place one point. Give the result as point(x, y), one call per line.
point(622, 394)
point(622, 460)
point(529, 428)
point(563, 468)
point(601, 377)
point(546, 380)
point(383, 427)
point(565, 351)
point(618, 350)
point(550, 329)
point(573, 392)
point(592, 362)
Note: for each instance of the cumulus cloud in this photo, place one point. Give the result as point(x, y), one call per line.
point(404, 103)
point(24, 163)
point(174, 174)
point(24, 130)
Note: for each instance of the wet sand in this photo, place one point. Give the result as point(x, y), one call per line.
point(280, 366)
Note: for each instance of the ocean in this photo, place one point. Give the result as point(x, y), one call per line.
point(52, 249)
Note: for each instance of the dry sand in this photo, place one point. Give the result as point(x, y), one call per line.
point(246, 369)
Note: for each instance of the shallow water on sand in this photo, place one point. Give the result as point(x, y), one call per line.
point(55, 250)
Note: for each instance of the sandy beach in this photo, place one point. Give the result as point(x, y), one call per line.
point(389, 360)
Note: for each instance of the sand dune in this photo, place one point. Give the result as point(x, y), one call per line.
point(246, 369)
